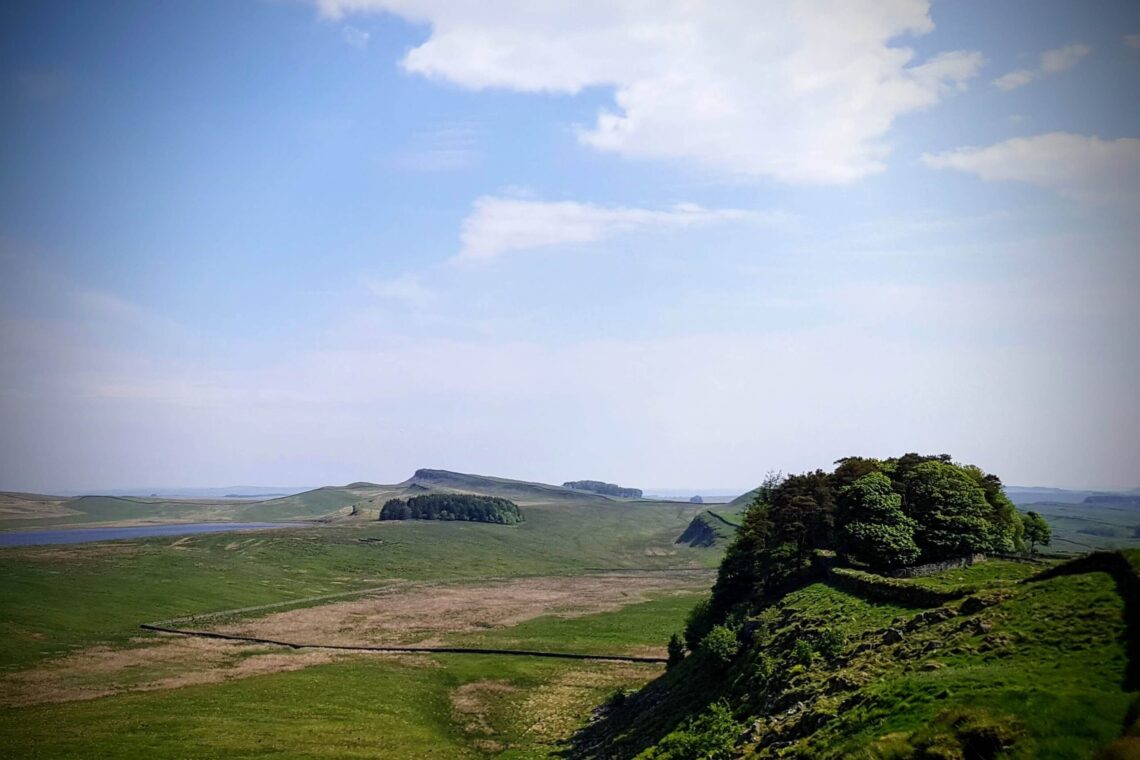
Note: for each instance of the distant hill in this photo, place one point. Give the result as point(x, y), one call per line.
point(485, 485)
point(743, 500)
point(605, 489)
point(355, 501)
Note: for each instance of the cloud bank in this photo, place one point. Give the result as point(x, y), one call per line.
point(801, 92)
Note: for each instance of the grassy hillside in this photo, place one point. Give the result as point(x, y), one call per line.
point(361, 500)
point(1026, 669)
point(58, 597)
point(70, 612)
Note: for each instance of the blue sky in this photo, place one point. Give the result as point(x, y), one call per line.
point(667, 244)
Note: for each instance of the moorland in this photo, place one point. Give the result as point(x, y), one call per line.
point(848, 660)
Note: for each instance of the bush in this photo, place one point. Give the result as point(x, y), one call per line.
point(830, 643)
point(698, 624)
point(709, 736)
point(720, 644)
point(676, 650)
point(802, 652)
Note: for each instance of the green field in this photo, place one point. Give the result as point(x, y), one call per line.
point(70, 631)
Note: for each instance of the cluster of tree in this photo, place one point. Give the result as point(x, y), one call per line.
point(605, 489)
point(453, 506)
point(881, 513)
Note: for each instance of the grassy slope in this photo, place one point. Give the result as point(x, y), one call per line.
point(55, 598)
point(1049, 664)
point(365, 707)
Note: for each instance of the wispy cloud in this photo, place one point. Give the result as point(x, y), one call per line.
point(406, 289)
point(1051, 62)
point(448, 146)
point(357, 38)
point(1084, 168)
point(498, 225)
point(1132, 41)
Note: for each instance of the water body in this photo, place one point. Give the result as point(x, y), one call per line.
point(86, 535)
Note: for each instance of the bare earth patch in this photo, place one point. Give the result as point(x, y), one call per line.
point(421, 613)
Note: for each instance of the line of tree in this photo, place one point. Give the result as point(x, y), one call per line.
point(605, 489)
point(881, 513)
point(453, 506)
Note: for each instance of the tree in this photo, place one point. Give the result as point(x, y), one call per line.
point(676, 650)
point(1037, 531)
point(803, 512)
point(742, 569)
point(872, 525)
point(950, 509)
point(720, 644)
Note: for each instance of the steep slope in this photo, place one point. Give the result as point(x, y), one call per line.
point(1037, 668)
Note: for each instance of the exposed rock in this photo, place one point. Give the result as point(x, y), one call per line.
point(892, 636)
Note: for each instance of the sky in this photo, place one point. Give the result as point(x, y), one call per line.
point(663, 243)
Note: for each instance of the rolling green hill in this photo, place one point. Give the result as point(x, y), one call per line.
point(1025, 664)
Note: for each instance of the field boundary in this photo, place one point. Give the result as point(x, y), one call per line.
point(404, 650)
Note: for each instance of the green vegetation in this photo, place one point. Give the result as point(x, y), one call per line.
point(605, 489)
point(368, 707)
point(56, 598)
point(453, 506)
point(795, 655)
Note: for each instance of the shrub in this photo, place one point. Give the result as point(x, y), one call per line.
point(830, 642)
point(720, 644)
point(709, 736)
point(698, 624)
point(676, 650)
point(802, 652)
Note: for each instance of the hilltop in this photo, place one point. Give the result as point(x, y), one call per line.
point(361, 499)
point(855, 614)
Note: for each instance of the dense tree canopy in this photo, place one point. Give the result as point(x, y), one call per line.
point(875, 530)
point(453, 506)
point(877, 512)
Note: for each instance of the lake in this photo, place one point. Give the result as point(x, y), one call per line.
point(85, 535)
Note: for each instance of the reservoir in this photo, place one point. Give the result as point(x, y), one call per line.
point(84, 535)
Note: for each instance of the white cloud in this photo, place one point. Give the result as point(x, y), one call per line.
point(498, 225)
point(357, 38)
point(801, 92)
point(1063, 59)
point(1014, 79)
point(1085, 168)
point(1052, 62)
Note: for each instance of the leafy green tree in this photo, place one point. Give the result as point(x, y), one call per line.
point(803, 512)
point(950, 510)
point(1037, 531)
point(872, 525)
point(742, 570)
point(676, 650)
point(699, 622)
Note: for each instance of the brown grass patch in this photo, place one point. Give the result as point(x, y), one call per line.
point(554, 711)
point(152, 664)
point(423, 613)
point(472, 704)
